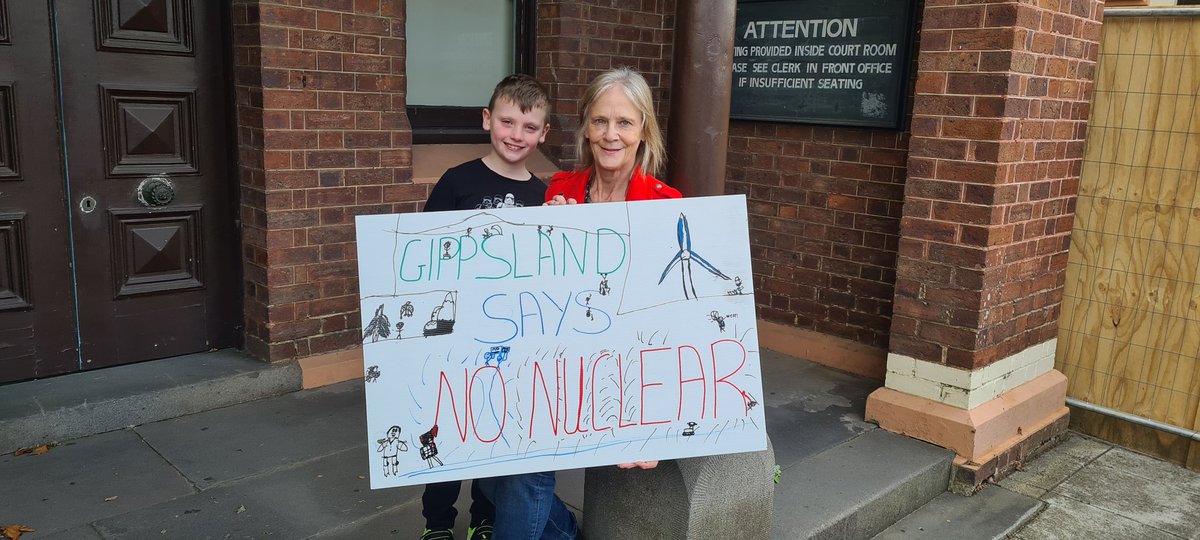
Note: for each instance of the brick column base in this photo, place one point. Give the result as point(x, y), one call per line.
point(990, 439)
point(330, 368)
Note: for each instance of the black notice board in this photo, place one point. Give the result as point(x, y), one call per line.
point(822, 62)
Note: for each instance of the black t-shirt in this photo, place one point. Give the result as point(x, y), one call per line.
point(474, 185)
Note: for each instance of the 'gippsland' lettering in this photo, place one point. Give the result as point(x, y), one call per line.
point(523, 253)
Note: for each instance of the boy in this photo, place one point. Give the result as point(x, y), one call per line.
point(515, 119)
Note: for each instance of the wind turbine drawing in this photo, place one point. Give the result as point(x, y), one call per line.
point(684, 259)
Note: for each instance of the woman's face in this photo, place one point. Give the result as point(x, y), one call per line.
point(614, 132)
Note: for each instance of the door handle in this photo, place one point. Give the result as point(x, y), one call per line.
point(156, 190)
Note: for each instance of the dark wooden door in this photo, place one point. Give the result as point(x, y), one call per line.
point(37, 305)
point(149, 200)
point(143, 96)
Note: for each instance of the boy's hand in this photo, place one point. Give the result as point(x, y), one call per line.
point(559, 199)
point(639, 465)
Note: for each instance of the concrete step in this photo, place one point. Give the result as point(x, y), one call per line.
point(103, 400)
point(991, 514)
point(859, 487)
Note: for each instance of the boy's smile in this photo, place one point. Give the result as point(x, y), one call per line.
point(514, 134)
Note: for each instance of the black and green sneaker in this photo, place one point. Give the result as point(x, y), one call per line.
point(437, 534)
point(480, 531)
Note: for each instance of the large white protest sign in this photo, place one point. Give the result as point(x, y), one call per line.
point(502, 341)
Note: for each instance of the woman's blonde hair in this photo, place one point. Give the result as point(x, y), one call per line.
point(652, 153)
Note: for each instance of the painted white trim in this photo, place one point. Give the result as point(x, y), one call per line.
point(967, 389)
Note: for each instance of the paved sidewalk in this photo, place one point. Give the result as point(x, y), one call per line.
point(1094, 489)
point(295, 465)
point(1082, 489)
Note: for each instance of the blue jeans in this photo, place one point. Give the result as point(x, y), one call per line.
point(528, 509)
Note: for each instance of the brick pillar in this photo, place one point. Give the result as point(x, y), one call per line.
point(322, 137)
point(1001, 106)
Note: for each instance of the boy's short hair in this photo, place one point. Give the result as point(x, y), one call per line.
point(523, 90)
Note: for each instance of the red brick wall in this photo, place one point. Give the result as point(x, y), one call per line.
point(825, 202)
point(997, 144)
point(974, 267)
point(322, 137)
point(578, 40)
point(825, 207)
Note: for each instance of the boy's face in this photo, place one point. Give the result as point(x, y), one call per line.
point(515, 134)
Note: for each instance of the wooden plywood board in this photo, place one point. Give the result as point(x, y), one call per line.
point(1130, 323)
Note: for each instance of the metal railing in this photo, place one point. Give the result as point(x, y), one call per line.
point(1135, 419)
point(1151, 12)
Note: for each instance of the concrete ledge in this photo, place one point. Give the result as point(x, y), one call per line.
point(331, 368)
point(726, 496)
point(978, 433)
point(859, 488)
point(830, 351)
point(994, 514)
point(92, 402)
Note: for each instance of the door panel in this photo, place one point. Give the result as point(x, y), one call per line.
point(137, 93)
point(37, 311)
point(157, 259)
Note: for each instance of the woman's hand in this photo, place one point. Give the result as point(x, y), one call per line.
point(639, 465)
point(559, 199)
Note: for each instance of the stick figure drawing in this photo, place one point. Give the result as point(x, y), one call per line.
point(684, 257)
point(717, 318)
point(390, 447)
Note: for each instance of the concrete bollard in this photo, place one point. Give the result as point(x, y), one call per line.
point(717, 497)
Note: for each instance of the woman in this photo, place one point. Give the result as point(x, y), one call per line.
point(620, 148)
point(619, 145)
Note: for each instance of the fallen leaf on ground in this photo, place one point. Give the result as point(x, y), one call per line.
point(14, 531)
point(110, 499)
point(36, 450)
point(241, 509)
